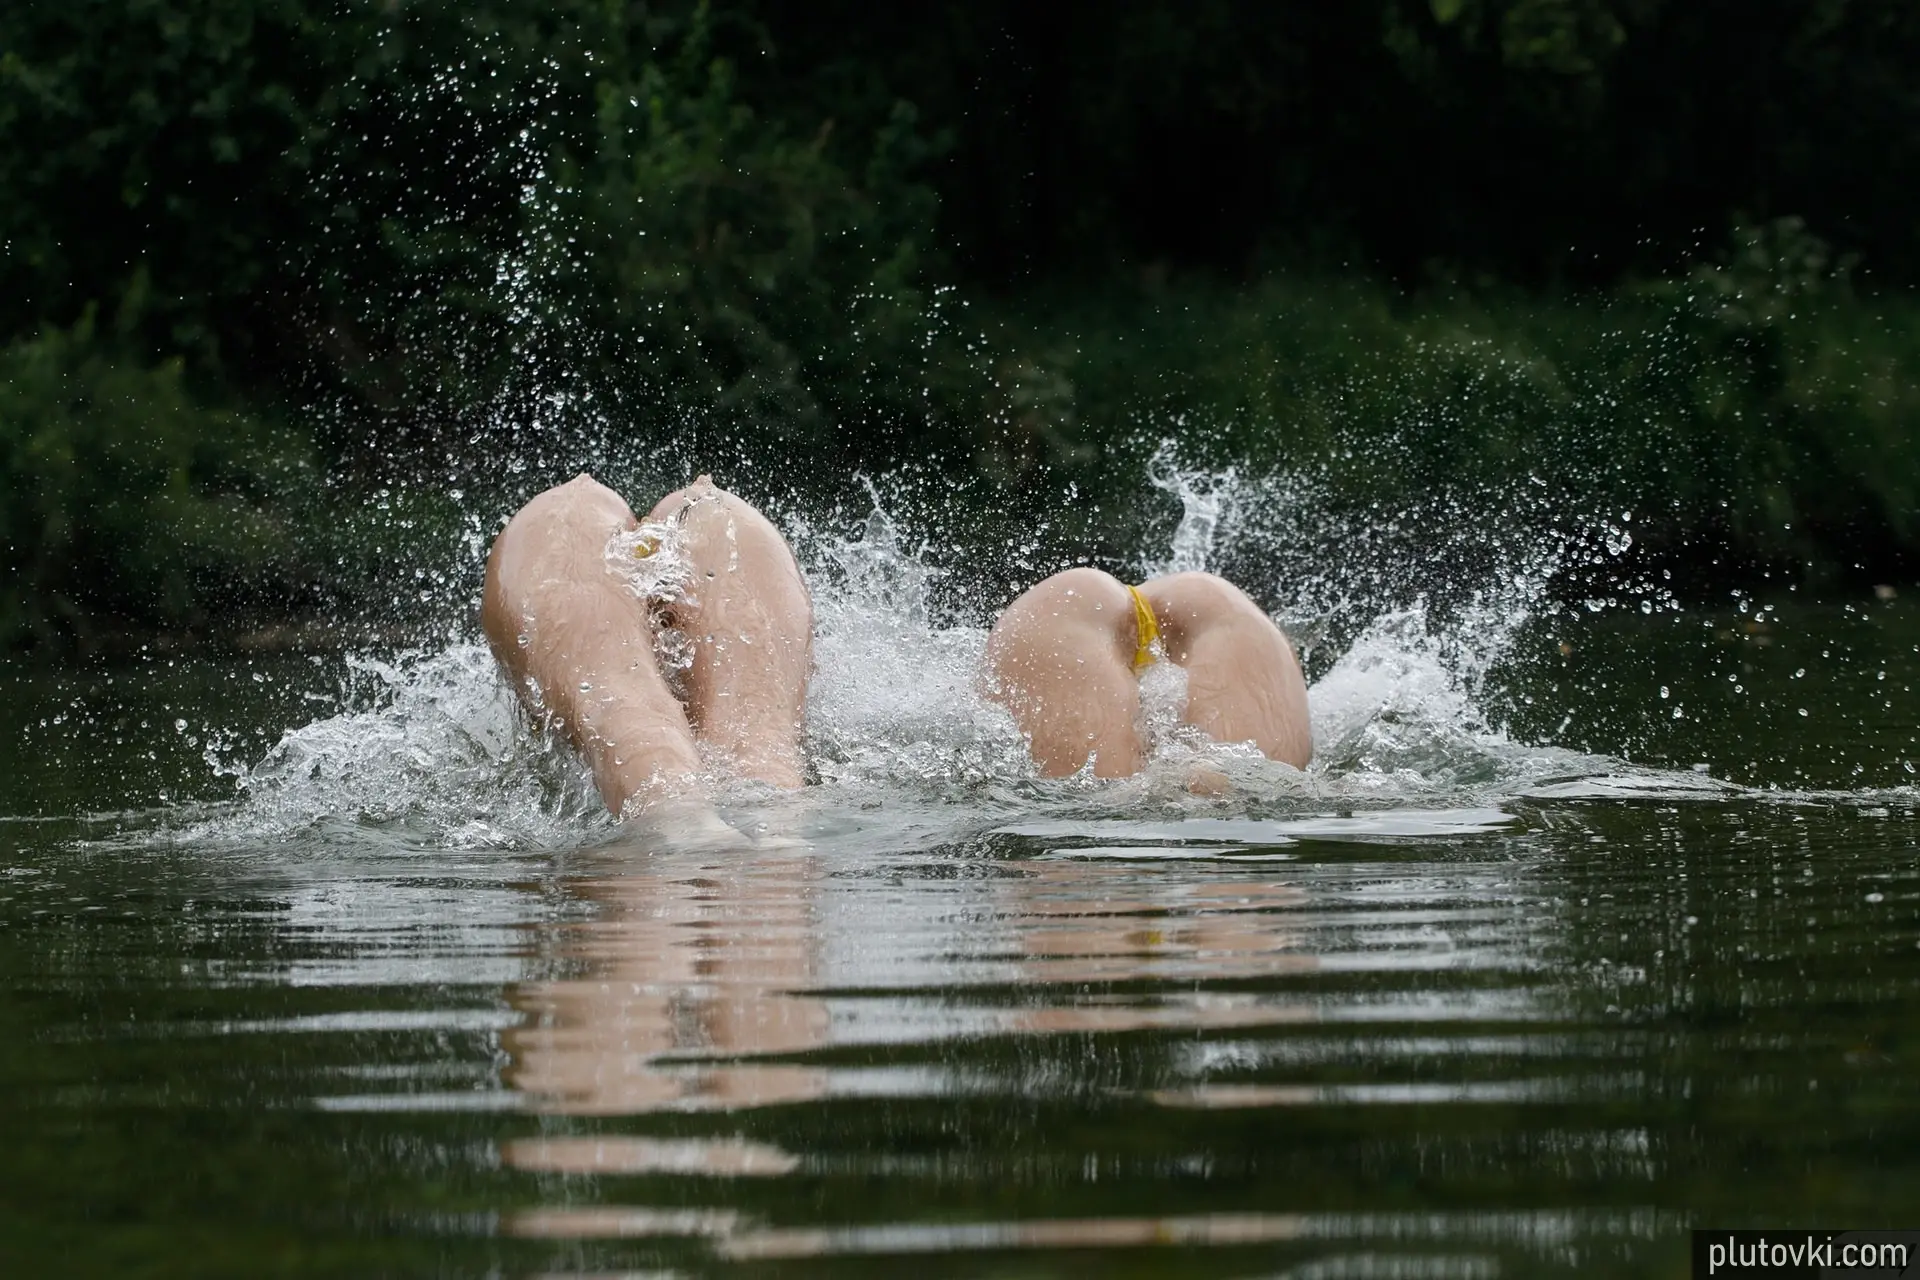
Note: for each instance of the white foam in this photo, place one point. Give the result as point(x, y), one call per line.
point(895, 697)
point(430, 745)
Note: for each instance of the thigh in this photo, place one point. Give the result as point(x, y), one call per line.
point(1243, 682)
point(577, 644)
point(1060, 658)
point(749, 621)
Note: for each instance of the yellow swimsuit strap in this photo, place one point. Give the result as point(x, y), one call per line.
point(644, 547)
point(1148, 630)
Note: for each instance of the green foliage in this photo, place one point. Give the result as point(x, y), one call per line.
point(150, 152)
point(1568, 143)
point(433, 234)
point(700, 263)
point(421, 210)
point(1755, 407)
point(442, 236)
point(1566, 37)
point(124, 499)
point(611, 239)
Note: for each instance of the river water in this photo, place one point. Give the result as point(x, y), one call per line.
point(1587, 926)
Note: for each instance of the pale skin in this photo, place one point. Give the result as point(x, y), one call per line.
point(1061, 659)
point(578, 645)
point(579, 648)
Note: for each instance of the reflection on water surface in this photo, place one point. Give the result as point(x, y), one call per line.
point(1542, 1045)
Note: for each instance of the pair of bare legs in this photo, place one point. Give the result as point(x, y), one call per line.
point(580, 645)
point(581, 648)
point(1065, 659)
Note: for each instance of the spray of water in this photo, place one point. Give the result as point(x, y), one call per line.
point(1207, 501)
point(903, 745)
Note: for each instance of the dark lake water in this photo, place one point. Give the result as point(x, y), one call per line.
point(391, 997)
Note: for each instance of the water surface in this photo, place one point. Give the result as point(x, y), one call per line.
point(325, 966)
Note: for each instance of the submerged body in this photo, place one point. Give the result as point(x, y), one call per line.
point(661, 678)
point(579, 644)
point(1065, 659)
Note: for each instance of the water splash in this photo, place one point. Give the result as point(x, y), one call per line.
point(428, 747)
point(895, 697)
point(1207, 502)
point(652, 560)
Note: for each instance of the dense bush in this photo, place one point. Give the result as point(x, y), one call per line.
point(467, 246)
point(440, 217)
point(1756, 407)
point(126, 501)
point(432, 235)
point(679, 263)
point(1556, 142)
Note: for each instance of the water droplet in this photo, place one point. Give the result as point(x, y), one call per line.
point(180, 726)
point(1876, 897)
point(523, 639)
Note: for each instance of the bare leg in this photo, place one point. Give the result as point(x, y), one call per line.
point(1061, 660)
point(1243, 682)
point(577, 643)
point(750, 621)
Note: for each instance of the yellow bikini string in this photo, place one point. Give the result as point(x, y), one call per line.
point(1148, 630)
point(644, 546)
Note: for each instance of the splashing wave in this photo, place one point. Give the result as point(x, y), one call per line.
point(905, 748)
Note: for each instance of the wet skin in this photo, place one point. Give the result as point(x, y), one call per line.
point(1061, 659)
point(579, 646)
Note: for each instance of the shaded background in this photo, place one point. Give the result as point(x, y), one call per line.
point(297, 297)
